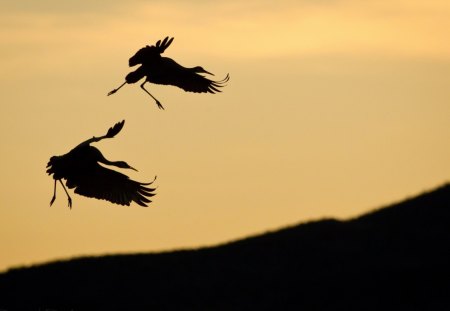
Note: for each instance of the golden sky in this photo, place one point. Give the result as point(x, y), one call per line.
point(333, 108)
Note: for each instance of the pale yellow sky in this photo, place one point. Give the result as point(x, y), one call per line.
point(333, 108)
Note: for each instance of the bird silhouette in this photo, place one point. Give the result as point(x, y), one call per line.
point(164, 70)
point(81, 169)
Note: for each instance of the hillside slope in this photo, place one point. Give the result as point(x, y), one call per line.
point(395, 258)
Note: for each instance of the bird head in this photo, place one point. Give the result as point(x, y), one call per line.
point(123, 164)
point(54, 166)
point(52, 161)
point(199, 69)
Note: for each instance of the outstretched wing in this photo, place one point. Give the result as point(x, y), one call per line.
point(106, 184)
point(188, 79)
point(112, 131)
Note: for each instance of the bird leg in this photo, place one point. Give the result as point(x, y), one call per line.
point(68, 196)
point(54, 194)
point(157, 101)
point(115, 90)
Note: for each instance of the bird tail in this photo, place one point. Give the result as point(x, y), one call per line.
point(52, 165)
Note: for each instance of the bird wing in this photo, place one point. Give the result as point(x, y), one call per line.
point(162, 46)
point(106, 184)
point(172, 73)
point(112, 131)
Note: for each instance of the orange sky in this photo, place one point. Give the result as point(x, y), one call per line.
point(333, 108)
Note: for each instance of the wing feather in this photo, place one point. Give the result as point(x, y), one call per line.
point(106, 184)
point(172, 73)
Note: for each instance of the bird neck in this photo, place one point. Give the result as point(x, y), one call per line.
point(120, 164)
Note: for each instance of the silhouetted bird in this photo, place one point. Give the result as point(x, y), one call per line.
point(164, 70)
point(82, 171)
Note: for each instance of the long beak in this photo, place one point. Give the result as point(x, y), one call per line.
point(204, 71)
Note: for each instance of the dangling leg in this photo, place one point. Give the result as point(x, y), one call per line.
point(115, 90)
point(54, 194)
point(68, 196)
point(157, 101)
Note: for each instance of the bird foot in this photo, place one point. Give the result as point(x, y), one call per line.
point(53, 200)
point(70, 202)
point(159, 105)
point(112, 92)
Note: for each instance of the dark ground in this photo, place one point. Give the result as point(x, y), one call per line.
point(396, 258)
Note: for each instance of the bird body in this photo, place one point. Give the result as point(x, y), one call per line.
point(169, 72)
point(82, 171)
point(165, 71)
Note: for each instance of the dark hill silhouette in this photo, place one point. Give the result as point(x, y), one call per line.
point(395, 258)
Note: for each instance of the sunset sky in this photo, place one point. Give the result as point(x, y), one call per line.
point(333, 108)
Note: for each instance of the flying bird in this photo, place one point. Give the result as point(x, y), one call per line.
point(82, 170)
point(164, 70)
